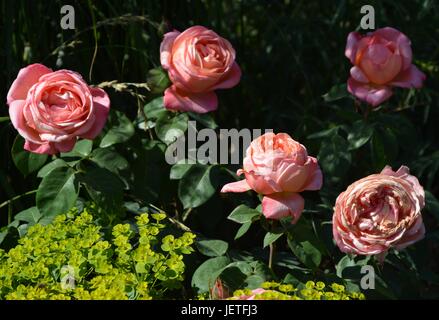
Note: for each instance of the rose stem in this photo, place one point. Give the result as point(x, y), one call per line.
point(270, 257)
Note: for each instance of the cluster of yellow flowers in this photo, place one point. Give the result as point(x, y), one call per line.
point(70, 259)
point(310, 291)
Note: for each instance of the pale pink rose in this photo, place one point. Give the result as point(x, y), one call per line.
point(278, 166)
point(379, 212)
point(51, 109)
point(198, 62)
point(382, 59)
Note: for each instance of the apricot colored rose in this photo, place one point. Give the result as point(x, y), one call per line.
point(279, 168)
point(382, 59)
point(198, 62)
point(277, 163)
point(51, 109)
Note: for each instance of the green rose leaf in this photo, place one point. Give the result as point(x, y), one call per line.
point(206, 274)
point(206, 119)
point(271, 237)
point(243, 230)
point(334, 157)
point(349, 268)
point(344, 263)
point(384, 147)
point(169, 127)
point(178, 170)
point(27, 162)
point(155, 109)
point(359, 134)
point(324, 133)
point(212, 248)
point(30, 215)
point(337, 92)
point(305, 244)
point(196, 187)
point(121, 129)
point(108, 159)
point(82, 149)
point(157, 80)
point(306, 252)
point(57, 163)
point(57, 192)
point(243, 214)
point(104, 187)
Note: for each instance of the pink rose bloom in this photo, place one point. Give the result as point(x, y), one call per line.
point(278, 167)
point(379, 212)
point(277, 163)
point(52, 109)
point(382, 59)
point(198, 62)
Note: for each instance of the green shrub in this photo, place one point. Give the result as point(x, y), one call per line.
point(70, 259)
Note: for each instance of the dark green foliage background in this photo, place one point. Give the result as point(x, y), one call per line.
point(291, 54)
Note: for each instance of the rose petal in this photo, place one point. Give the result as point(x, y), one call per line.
point(391, 34)
point(230, 79)
point(16, 113)
point(402, 43)
point(50, 147)
point(380, 65)
point(351, 46)
point(414, 234)
point(358, 75)
point(166, 48)
point(101, 108)
point(176, 99)
point(262, 184)
point(43, 148)
point(372, 95)
point(238, 186)
point(26, 78)
point(65, 146)
point(316, 176)
point(404, 173)
point(293, 178)
point(280, 205)
point(410, 78)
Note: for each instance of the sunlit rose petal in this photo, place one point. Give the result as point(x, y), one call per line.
point(379, 212)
